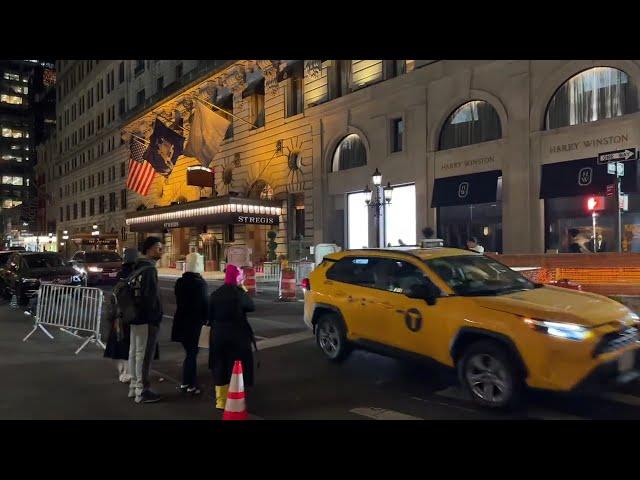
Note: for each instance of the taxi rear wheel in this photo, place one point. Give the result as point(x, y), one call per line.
point(332, 338)
point(489, 374)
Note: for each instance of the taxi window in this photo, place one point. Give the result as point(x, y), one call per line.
point(397, 276)
point(354, 270)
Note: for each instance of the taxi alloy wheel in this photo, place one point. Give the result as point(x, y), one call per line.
point(489, 375)
point(331, 338)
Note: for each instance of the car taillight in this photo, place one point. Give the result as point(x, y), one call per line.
point(306, 284)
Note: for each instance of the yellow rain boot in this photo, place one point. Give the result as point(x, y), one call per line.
point(221, 396)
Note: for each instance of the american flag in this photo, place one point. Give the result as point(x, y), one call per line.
point(141, 173)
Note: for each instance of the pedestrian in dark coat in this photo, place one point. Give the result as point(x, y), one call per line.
point(231, 334)
point(117, 346)
point(191, 315)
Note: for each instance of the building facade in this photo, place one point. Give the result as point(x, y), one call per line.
point(26, 117)
point(506, 151)
point(88, 185)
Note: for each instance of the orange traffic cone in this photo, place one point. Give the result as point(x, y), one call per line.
point(236, 409)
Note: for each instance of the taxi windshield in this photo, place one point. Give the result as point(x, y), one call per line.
point(471, 275)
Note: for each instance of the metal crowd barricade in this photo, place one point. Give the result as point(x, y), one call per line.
point(271, 272)
point(72, 309)
point(303, 269)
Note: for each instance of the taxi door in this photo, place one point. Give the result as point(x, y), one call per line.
point(406, 323)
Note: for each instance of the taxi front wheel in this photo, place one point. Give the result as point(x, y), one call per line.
point(332, 338)
point(488, 373)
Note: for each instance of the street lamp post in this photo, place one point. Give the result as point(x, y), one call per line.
point(376, 199)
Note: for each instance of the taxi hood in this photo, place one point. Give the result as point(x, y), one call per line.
point(560, 305)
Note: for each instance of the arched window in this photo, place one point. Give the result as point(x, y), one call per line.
point(474, 122)
point(595, 94)
point(350, 153)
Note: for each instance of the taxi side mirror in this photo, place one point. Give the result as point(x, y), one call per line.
point(429, 292)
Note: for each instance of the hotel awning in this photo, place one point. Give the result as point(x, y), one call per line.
point(466, 189)
point(214, 211)
point(584, 177)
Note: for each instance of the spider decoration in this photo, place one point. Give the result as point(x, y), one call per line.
point(227, 172)
point(293, 150)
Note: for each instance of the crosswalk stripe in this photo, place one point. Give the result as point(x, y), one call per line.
point(283, 340)
point(382, 414)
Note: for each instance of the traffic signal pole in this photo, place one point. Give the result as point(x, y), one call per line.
point(618, 212)
point(595, 242)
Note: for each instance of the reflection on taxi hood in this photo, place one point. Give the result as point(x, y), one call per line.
point(560, 305)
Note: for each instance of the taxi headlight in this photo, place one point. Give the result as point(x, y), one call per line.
point(568, 331)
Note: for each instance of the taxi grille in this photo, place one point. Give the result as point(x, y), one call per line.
point(616, 340)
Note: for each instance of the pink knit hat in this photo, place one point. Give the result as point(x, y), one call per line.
point(231, 275)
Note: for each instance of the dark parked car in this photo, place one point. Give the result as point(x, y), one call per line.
point(25, 271)
point(98, 265)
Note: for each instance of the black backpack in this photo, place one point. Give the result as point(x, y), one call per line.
point(127, 295)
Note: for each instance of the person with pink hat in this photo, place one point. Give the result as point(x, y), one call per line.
point(231, 333)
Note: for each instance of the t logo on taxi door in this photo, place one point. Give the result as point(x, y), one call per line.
point(413, 319)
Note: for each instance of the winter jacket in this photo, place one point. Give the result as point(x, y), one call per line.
point(231, 333)
point(150, 308)
point(192, 308)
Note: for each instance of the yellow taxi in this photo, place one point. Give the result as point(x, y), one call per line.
point(470, 312)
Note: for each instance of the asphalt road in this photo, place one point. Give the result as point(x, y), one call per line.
point(43, 379)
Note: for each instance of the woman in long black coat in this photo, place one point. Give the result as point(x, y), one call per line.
point(231, 334)
point(117, 346)
point(190, 316)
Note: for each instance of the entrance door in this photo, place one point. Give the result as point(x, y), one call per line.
point(257, 241)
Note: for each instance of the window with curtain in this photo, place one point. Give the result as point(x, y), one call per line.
point(591, 95)
point(474, 122)
point(350, 153)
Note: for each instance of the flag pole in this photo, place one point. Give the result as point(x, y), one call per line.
point(223, 110)
point(173, 122)
point(140, 138)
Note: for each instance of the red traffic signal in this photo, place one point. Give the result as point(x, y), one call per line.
point(595, 203)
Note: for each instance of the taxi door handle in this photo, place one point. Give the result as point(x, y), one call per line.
point(387, 305)
point(401, 312)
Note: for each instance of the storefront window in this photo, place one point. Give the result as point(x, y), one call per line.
point(569, 226)
point(473, 122)
point(357, 221)
point(595, 94)
point(400, 217)
point(457, 223)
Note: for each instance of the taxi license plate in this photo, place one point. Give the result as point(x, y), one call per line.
point(626, 361)
point(113, 275)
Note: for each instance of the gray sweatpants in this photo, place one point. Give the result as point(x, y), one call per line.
point(142, 349)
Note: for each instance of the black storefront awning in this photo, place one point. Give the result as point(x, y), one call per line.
point(466, 189)
point(584, 177)
point(255, 87)
point(215, 211)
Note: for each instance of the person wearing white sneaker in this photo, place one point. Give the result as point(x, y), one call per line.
point(117, 346)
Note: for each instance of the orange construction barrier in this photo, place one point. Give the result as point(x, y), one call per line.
point(235, 408)
point(287, 285)
point(250, 280)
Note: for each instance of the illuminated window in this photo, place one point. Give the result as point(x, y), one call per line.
point(11, 180)
point(13, 133)
point(350, 153)
point(12, 99)
point(595, 94)
point(10, 203)
point(11, 76)
point(474, 122)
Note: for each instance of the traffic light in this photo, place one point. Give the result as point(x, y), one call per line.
point(594, 204)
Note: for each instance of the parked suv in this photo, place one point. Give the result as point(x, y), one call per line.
point(25, 271)
point(472, 313)
point(98, 266)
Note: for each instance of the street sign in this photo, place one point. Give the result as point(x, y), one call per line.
point(624, 202)
point(626, 154)
point(616, 168)
point(610, 190)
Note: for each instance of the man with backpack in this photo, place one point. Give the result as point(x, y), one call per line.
point(139, 299)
